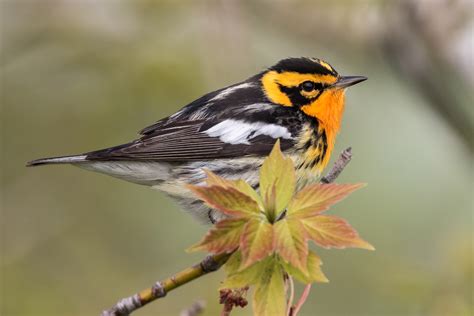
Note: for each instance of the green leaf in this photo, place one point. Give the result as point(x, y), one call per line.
point(239, 185)
point(233, 264)
point(333, 232)
point(313, 273)
point(269, 297)
point(291, 242)
point(256, 242)
point(242, 278)
point(223, 237)
point(270, 203)
point(227, 200)
point(317, 198)
point(277, 182)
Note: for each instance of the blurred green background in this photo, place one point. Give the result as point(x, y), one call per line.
point(82, 75)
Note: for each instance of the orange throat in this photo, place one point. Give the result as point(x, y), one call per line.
point(328, 109)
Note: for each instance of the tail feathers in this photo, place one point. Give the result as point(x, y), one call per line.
point(57, 160)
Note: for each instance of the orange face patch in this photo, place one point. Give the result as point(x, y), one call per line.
point(272, 81)
point(328, 109)
point(326, 106)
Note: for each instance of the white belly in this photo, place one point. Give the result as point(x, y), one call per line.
point(140, 172)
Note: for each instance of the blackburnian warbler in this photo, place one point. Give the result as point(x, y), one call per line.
point(230, 131)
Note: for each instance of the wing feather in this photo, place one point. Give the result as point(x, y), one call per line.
point(185, 141)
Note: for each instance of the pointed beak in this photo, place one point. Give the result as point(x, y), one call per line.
point(347, 81)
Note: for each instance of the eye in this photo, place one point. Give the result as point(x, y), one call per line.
point(307, 86)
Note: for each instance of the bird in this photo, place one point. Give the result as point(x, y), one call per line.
point(299, 101)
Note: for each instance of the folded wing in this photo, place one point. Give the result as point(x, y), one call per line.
point(199, 140)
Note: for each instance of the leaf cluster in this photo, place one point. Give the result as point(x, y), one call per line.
point(268, 232)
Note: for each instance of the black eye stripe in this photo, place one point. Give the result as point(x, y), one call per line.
point(309, 86)
point(297, 98)
point(319, 86)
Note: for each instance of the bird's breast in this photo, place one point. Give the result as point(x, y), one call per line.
point(312, 151)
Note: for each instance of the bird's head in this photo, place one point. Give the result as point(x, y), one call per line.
point(310, 85)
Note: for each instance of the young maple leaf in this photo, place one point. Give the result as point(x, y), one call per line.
point(326, 231)
point(268, 232)
point(277, 182)
point(303, 222)
point(252, 215)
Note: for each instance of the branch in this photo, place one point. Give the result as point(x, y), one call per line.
point(212, 263)
point(130, 304)
point(338, 166)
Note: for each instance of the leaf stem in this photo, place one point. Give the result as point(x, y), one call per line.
point(291, 284)
point(302, 300)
